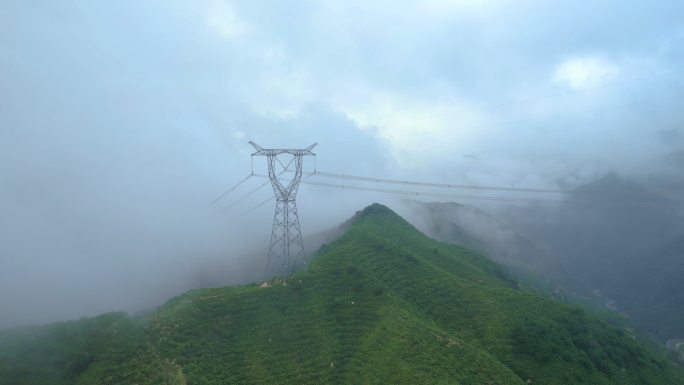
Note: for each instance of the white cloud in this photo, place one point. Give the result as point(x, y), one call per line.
point(284, 95)
point(413, 127)
point(585, 72)
point(221, 17)
point(459, 5)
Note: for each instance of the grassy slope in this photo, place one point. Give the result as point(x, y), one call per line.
point(111, 348)
point(382, 304)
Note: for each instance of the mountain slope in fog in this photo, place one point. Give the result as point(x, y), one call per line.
point(478, 230)
point(601, 226)
point(651, 291)
point(605, 232)
point(252, 266)
point(611, 242)
point(383, 304)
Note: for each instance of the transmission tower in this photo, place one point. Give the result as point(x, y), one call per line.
point(286, 251)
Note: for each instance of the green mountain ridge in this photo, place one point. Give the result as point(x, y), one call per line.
point(383, 304)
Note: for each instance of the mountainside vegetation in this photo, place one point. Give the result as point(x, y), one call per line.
point(475, 229)
point(382, 304)
point(616, 253)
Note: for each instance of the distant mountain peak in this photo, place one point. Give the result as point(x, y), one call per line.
point(377, 209)
point(373, 211)
point(617, 189)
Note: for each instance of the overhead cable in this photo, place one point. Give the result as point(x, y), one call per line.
point(257, 206)
point(229, 190)
point(434, 195)
point(248, 194)
point(269, 199)
point(438, 185)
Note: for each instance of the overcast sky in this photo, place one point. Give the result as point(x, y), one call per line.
point(120, 121)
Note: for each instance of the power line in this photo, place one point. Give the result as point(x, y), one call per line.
point(243, 181)
point(439, 185)
point(257, 206)
point(484, 198)
point(253, 191)
point(271, 198)
point(229, 190)
point(435, 195)
point(246, 195)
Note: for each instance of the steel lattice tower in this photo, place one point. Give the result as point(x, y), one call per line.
point(286, 251)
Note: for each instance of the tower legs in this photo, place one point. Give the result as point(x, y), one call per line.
point(286, 251)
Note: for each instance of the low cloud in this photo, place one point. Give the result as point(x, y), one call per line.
point(120, 121)
point(584, 73)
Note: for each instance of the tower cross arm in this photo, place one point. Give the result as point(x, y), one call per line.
point(277, 151)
